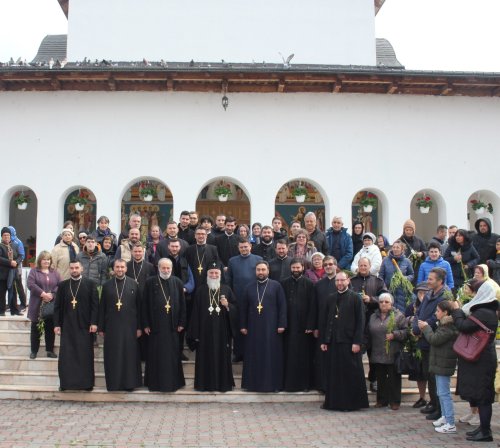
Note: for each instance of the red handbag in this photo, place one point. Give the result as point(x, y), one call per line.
point(469, 346)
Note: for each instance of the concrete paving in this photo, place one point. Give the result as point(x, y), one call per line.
point(27, 423)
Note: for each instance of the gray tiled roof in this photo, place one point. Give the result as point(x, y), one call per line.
point(54, 46)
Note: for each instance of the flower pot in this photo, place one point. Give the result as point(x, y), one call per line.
point(223, 197)
point(300, 198)
point(424, 210)
point(147, 198)
point(480, 211)
point(22, 206)
point(79, 207)
point(367, 208)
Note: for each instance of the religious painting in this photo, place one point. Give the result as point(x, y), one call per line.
point(298, 191)
point(289, 213)
point(80, 208)
point(365, 208)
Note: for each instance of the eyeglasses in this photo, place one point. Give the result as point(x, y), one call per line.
point(300, 236)
point(82, 237)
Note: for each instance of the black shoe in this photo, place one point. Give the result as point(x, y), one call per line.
point(16, 313)
point(473, 432)
point(419, 403)
point(434, 416)
point(61, 389)
point(51, 355)
point(429, 409)
point(89, 389)
point(481, 436)
point(184, 357)
point(32, 355)
point(2, 314)
point(237, 358)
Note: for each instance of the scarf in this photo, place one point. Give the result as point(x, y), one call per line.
point(485, 294)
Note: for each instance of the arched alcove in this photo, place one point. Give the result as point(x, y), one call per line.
point(236, 203)
point(368, 207)
point(297, 197)
point(23, 209)
point(482, 204)
point(80, 207)
point(151, 199)
point(427, 221)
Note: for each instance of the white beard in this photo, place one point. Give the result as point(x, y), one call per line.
point(213, 283)
point(164, 276)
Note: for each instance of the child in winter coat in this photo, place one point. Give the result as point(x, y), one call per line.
point(442, 362)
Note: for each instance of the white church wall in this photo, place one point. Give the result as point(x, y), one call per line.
point(398, 145)
point(316, 31)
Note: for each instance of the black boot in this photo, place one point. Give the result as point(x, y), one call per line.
point(481, 436)
point(473, 432)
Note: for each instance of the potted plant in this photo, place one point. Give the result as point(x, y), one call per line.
point(22, 199)
point(79, 201)
point(300, 193)
point(478, 206)
point(32, 262)
point(146, 192)
point(223, 191)
point(424, 203)
point(368, 202)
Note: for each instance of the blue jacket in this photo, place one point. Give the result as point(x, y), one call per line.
point(428, 265)
point(240, 273)
point(427, 312)
point(387, 270)
point(345, 247)
point(18, 242)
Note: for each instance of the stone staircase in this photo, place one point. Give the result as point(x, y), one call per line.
point(22, 378)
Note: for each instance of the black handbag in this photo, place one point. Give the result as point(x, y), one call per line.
point(406, 362)
point(47, 310)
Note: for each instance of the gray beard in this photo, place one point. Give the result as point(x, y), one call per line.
point(213, 283)
point(164, 276)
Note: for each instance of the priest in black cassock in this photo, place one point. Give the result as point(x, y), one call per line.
point(140, 270)
point(341, 339)
point(213, 321)
point(324, 290)
point(75, 319)
point(298, 337)
point(164, 318)
point(120, 325)
point(199, 256)
point(262, 322)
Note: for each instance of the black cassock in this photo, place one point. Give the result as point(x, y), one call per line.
point(263, 360)
point(345, 381)
point(299, 346)
point(164, 366)
point(76, 355)
point(211, 331)
point(122, 363)
point(324, 291)
point(140, 272)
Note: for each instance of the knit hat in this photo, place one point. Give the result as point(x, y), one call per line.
point(317, 254)
point(409, 223)
point(67, 230)
point(369, 235)
point(422, 286)
point(6, 230)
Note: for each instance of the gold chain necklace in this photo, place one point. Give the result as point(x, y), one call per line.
point(260, 298)
point(137, 276)
point(73, 295)
point(119, 296)
point(200, 267)
point(167, 301)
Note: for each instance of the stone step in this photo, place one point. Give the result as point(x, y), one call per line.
point(14, 323)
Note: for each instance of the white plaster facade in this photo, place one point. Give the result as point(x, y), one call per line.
point(316, 31)
point(394, 145)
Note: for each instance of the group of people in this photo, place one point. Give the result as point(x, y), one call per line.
point(298, 309)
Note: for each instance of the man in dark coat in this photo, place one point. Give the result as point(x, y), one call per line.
point(120, 325)
point(265, 248)
point(262, 322)
point(427, 312)
point(186, 233)
point(9, 260)
point(163, 319)
point(75, 319)
point(199, 256)
point(298, 337)
point(341, 339)
point(324, 291)
point(227, 242)
point(484, 240)
point(340, 243)
point(279, 267)
point(315, 235)
point(212, 324)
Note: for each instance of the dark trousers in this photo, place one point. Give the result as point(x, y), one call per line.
point(3, 291)
point(431, 381)
point(49, 336)
point(182, 334)
point(388, 384)
point(15, 291)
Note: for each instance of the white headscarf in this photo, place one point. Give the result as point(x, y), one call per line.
point(485, 294)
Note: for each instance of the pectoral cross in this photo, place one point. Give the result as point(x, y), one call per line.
point(119, 304)
point(74, 302)
point(259, 307)
point(167, 307)
point(200, 269)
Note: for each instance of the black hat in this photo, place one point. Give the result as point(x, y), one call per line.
point(422, 286)
point(6, 230)
point(214, 265)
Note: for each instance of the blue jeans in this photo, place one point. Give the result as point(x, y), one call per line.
point(445, 400)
